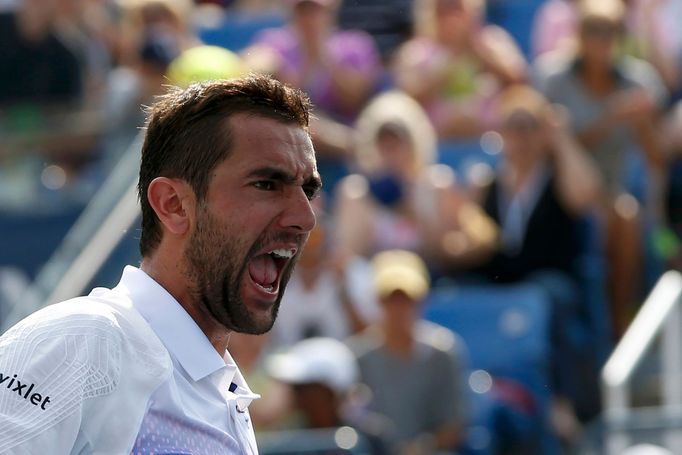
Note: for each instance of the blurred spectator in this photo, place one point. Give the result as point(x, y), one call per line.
point(154, 35)
point(659, 39)
point(322, 373)
point(650, 30)
point(456, 64)
point(613, 103)
point(554, 27)
point(543, 186)
point(330, 293)
point(412, 368)
point(37, 65)
point(50, 118)
point(390, 22)
point(401, 198)
point(339, 70)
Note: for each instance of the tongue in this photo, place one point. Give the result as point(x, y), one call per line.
point(263, 270)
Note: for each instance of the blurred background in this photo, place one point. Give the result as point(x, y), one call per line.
point(494, 269)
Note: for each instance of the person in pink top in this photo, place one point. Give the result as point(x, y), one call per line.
point(339, 70)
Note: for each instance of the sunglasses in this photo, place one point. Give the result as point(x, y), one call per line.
point(600, 30)
point(521, 122)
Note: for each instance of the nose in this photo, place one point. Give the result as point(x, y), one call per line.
point(298, 213)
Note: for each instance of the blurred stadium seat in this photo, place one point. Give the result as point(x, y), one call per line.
point(29, 238)
point(237, 30)
point(506, 330)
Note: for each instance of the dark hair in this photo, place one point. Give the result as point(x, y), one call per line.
point(188, 134)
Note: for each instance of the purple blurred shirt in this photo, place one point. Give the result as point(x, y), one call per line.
point(355, 49)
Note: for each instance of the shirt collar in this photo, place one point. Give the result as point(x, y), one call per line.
point(168, 318)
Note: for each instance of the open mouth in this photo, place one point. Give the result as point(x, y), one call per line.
point(266, 268)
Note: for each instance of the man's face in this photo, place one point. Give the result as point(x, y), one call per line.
point(253, 223)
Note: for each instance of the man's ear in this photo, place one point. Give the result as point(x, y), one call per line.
point(173, 202)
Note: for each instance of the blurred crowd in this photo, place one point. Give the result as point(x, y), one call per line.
point(462, 144)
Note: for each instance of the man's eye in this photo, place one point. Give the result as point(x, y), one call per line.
point(311, 192)
point(265, 185)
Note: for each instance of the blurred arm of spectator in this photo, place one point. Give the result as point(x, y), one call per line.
point(465, 234)
point(354, 215)
point(356, 320)
point(499, 54)
point(635, 109)
point(578, 180)
point(554, 26)
point(656, 47)
point(330, 137)
point(628, 107)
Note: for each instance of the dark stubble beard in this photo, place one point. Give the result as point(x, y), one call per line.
point(215, 268)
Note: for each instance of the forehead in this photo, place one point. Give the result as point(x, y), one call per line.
point(258, 141)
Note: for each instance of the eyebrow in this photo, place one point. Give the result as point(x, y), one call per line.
point(313, 182)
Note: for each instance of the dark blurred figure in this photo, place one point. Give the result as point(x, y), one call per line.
point(544, 183)
point(668, 241)
point(37, 65)
point(390, 22)
point(322, 373)
point(543, 186)
point(413, 368)
point(613, 105)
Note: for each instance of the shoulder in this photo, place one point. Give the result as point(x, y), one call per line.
point(93, 331)
point(553, 68)
point(82, 315)
point(68, 336)
point(640, 73)
point(366, 344)
point(442, 341)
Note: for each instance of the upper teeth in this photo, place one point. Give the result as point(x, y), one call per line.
point(283, 253)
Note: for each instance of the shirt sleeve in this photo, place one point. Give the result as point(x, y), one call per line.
point(50, 364)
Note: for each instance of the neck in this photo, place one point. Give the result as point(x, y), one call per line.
point(596, 75)
point(173, 280)
point(398, 339)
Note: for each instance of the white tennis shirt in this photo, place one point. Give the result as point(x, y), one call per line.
point(123, 370)
point(202, 407)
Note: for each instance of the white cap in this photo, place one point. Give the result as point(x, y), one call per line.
point(316, 360)
point(646, 449)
